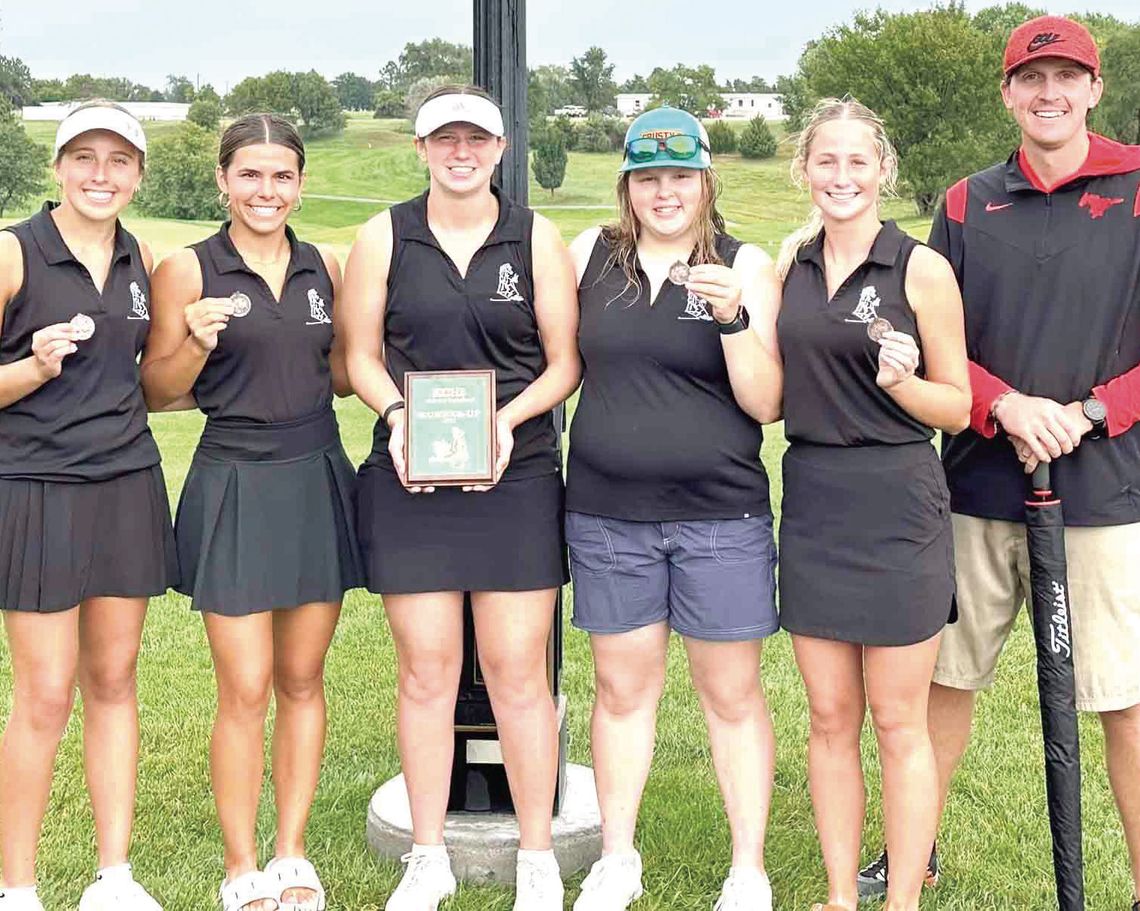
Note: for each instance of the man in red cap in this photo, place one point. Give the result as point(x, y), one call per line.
point(1046, 247)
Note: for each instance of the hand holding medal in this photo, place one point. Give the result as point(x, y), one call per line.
point(898, 355)
point(52, 344)
point(717, 286)
point(209, 316)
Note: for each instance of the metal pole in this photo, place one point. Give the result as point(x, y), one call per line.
point(500, 68)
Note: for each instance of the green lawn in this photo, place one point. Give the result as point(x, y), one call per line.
point(995, 843)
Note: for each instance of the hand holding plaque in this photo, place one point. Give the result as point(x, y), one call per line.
point(450, 429)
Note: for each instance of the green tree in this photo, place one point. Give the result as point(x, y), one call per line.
point(45, 90)
point(205, 112)
point(16, 82)
point(722, 138)
point(933, 77)
point(755, 84)
point(757, 141)
point(592, 80)
point(548, 89)
point(549, 162)
point(84, 86)
point(635, 83)
point(25, 161)
point(437, 59)
point(692, 89)
point(179, 179)
point(999, 21)
point(179, 89)
point(355, 93)
point(1119, 111)
point(272, 92)
point(796, 100)
point(388, 103)
point(208, 91)
point(316, 102)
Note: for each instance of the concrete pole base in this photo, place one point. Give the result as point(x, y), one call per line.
point(483, 845)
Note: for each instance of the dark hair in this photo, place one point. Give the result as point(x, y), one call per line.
point(462, 90)
point(254, 129)
point(105, 103)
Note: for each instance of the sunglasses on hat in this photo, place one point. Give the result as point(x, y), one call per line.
point(679, 147)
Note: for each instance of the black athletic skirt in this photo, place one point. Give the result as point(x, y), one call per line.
point(866, 552)
point(266, 517)
point(509, 538)
point(61, 543)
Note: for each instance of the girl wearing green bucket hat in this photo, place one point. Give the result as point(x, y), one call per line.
point(668, 519)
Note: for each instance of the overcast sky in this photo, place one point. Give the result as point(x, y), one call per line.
point(222, 41)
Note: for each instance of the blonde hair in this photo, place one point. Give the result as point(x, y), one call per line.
point(104, 103)
point(828, 110)
point(621, 236)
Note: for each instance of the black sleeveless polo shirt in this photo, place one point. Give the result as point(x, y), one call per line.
point(89, 423)
point(830, 363)
point(437, 319)
point(272, 364)
point(658, 435)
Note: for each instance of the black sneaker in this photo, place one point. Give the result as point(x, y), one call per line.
point(872, 879)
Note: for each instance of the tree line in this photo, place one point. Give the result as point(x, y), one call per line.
point(932, 75)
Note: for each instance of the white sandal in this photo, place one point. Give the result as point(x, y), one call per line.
point(248, 888)
point(295, 873)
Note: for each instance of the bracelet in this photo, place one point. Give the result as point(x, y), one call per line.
point(395, 406)
point(994, 407)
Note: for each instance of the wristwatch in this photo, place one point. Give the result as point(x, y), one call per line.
point(738, 323)
point(1097, 415)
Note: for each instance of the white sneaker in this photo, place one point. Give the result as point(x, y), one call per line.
point(427, 881)
point(745, 889)
point(538, 882)
point(21, 898)
point(115, 889)
point(613, 884)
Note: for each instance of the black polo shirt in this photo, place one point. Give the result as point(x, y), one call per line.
point(272, 364)
point(437, 319)
point(1050, 282)
point(830, 363)
point(657, 435)
point(89, 423)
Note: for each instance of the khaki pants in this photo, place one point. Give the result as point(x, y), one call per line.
point(992, 568)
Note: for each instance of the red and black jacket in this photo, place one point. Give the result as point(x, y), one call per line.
point(1050, 280)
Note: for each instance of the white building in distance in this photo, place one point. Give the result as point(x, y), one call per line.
point(142, 110)
point(737, 105)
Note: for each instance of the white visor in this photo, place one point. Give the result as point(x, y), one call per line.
point(458, 108)
point(100, 118)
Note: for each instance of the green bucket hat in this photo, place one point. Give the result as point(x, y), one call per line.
point(666, 137)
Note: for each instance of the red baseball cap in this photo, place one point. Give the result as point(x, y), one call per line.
point(1051, 36)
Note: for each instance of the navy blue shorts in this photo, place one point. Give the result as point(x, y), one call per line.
point(708, 579)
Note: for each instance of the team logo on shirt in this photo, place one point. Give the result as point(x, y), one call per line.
point(138, 303)
point(1098, 205)
point(508, 289)
point(696, 307)
point(317, 315)
point(867, 310)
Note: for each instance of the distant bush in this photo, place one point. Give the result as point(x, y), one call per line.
point(205, 112)
point(549, 162)
point(722, 138)
point(757, 140)
point(179, 181)
point(599, 134)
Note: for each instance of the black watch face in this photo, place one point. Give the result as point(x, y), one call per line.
point(1094, 410)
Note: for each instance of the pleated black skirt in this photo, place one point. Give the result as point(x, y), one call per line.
point(61, 543)
point(266, 518)
point(866, 551)
point(509, 538)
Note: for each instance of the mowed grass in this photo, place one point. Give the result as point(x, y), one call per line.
point(995, 840)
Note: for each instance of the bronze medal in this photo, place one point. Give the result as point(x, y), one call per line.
point(878, 327)
point(679, 273)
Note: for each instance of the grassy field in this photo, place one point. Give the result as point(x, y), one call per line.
point(995, 842)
